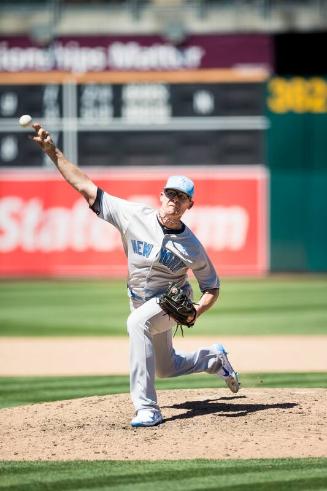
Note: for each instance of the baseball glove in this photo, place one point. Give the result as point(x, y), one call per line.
point(178, 306)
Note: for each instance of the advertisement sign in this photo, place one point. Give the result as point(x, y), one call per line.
point(47, 229)
point(82, 54)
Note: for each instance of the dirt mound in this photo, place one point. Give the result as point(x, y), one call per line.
point(206, 423)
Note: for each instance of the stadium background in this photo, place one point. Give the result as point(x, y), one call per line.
point(232, 94)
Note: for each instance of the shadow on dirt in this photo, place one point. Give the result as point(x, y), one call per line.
point(227, 409)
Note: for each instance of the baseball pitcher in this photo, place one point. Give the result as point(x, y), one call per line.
point(160, 250)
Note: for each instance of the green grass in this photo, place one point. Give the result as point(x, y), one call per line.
point(289, 305)
point(16, 391)
point(186, 475)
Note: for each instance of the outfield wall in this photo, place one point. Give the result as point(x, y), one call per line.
point(47, 229)
point(297, 158)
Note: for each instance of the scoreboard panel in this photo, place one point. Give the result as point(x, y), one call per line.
point(147, 123)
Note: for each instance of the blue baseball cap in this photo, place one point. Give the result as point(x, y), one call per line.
point(181, 183)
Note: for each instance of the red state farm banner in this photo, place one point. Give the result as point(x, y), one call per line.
point(47, 229)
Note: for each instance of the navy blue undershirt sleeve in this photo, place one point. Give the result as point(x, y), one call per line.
point(97, 205)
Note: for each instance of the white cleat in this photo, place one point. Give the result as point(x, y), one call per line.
point(147, 417)
point(226, 371)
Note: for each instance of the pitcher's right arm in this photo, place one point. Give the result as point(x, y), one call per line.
point(71, 173)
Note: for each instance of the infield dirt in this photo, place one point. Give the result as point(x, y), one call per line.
point(206, 423)
point(109, 356)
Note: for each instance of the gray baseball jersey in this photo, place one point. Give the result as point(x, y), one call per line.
point(155, 255)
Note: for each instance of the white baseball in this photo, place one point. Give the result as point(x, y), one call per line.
point(25, 120)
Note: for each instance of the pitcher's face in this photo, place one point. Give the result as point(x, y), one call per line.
point(175, 203)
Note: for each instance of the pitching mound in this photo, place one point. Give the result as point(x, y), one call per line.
point(206, 423)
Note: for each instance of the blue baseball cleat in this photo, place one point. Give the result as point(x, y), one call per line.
point(147, 417)
point(226, 371)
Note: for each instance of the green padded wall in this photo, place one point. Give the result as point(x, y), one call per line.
point(297, 158)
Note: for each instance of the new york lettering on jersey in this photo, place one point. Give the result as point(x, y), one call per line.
point(170, 260)
point(141, 248)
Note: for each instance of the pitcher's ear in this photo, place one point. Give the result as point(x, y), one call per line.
point(191, 205)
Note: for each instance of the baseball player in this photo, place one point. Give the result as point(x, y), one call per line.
point(160, 249)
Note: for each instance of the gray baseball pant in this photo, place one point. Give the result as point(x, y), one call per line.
point(152, 351)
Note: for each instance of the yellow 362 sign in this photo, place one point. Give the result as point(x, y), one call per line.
point(299, 95)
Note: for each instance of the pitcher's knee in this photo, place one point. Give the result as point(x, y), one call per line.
point(135, 322)
point(131, 322)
